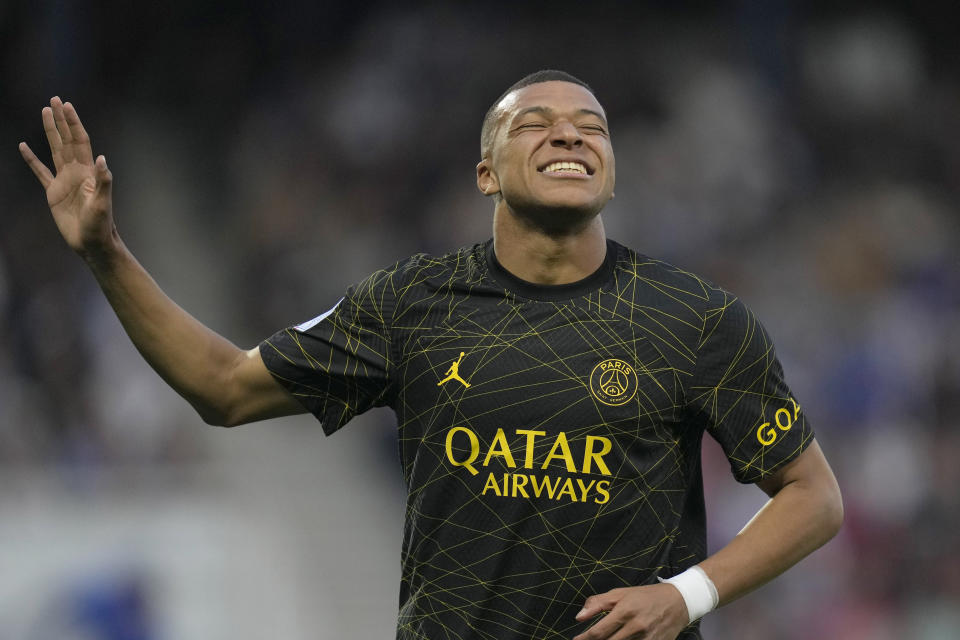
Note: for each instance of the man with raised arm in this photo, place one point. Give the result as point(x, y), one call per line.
point(551, 387)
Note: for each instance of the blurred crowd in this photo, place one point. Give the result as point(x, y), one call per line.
point(804, 157)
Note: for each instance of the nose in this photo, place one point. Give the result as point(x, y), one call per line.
point(565, 135)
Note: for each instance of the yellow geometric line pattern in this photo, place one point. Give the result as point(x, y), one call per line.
point(527, 492)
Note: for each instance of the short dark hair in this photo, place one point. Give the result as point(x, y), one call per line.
point(544, 75)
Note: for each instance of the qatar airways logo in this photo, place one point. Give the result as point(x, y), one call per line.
point(464, 450)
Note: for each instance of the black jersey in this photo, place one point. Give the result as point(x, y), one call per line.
point(549, 435)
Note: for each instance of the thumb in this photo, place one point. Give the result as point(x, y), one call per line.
point(104, 178)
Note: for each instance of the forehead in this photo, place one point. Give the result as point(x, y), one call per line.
point(556, 95)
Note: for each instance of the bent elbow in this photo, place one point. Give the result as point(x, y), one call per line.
point(830, 511)
point(233, 416)
point(214, 420)
point(219, 422)
point(217, 417)
point(835, 512)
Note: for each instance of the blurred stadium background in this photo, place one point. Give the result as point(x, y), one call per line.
point(805, 155)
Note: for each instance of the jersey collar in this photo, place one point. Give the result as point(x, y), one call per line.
point(550, 292)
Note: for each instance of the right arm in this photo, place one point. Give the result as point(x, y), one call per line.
point(225, 384)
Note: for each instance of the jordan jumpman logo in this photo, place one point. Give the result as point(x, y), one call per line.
point(453, 373)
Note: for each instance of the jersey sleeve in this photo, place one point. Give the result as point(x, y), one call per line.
point(339, 364)
point(738, 390)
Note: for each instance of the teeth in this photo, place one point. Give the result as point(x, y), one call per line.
point(574, 167)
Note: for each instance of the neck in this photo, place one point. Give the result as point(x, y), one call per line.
point(546, 258)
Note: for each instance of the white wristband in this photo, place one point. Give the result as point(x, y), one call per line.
point(698, 591)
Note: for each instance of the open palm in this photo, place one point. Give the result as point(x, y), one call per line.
point(79, 194)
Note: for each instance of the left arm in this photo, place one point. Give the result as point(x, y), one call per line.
point(805, 510)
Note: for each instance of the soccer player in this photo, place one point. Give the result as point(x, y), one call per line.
point(551, 387)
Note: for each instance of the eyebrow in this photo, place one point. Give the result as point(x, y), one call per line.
point(547, 111)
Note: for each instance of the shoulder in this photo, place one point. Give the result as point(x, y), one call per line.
point(685, 288)
point(461, 263)
point(423, 266)
point(408, 279)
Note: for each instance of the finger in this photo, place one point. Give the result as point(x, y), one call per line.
point(602, 630)
point(53, 136)
point(104, 178)
point(596, 604)
point(630, 631)
point(81, 141)
point(588, 611)
point(63, 129)
point(39, 169)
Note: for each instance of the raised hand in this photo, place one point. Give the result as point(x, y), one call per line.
point(79, 194)
point(225, 384)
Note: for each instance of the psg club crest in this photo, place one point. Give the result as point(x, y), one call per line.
point(613, 382)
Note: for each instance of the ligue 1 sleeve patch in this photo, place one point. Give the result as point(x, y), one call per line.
point(310, 324)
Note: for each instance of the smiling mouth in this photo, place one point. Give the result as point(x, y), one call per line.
point(566, 168)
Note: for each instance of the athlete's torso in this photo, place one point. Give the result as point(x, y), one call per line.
point(565, 467)
point(549, 436)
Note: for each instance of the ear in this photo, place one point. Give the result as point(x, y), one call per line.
point(487, 180)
